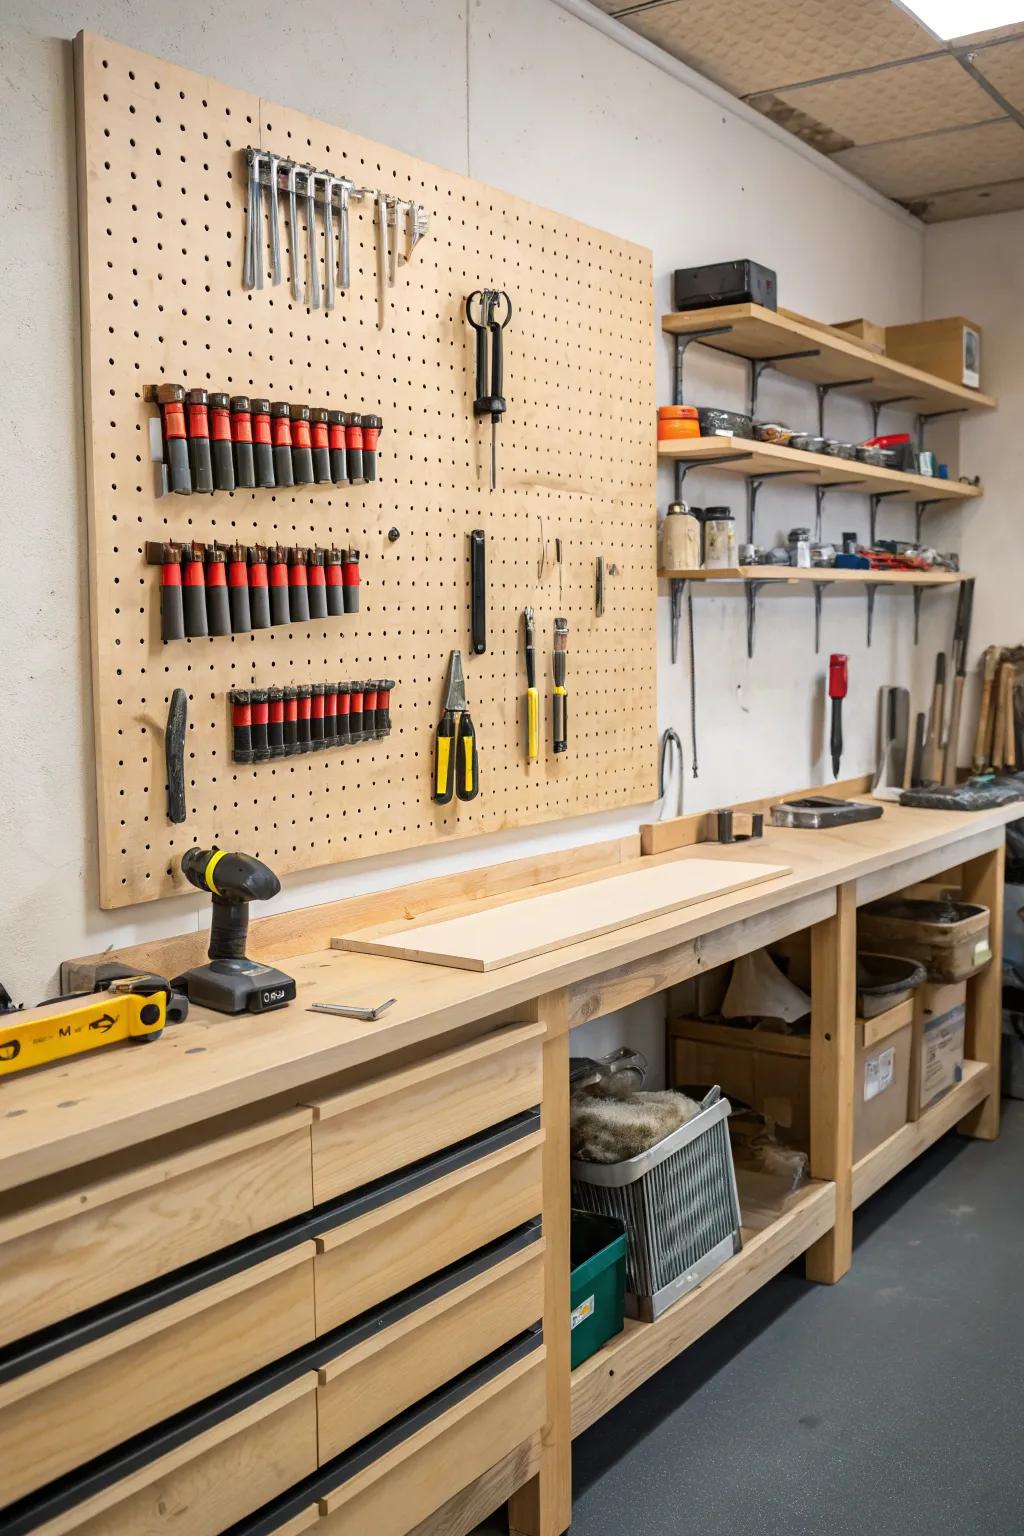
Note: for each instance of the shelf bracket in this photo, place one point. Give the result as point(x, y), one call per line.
point(751, 589)
point(819, 593)
point(820, 492)
point(877, 497)
point(918, 595)
point(872, 592)
point(759, 364)
point(920, 507)
point(693, 683)
point(682, 468)
point(824, 390)
point(754, 485)
point(683, 340)
point(878, 406)
point(925, 417)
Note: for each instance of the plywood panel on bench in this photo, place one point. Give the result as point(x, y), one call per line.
point(162, 197)
point(498, 936)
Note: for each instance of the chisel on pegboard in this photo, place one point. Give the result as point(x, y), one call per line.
point(174, 755)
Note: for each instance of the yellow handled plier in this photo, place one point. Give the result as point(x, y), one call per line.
point(456, 764)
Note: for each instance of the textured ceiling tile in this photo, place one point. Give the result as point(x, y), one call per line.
point(912, 169)
point(748, 46)
point(1003, 67)
point(1015, 29)
point(973, 202)
point(892, 103)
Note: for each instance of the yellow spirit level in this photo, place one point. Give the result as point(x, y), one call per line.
point(67, 1027)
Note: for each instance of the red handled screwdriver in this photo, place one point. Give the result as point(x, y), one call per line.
point(838, 681)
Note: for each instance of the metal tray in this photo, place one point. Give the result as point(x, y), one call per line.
point(817, 811)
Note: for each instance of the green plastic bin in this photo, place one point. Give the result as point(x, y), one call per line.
point(597, 1293)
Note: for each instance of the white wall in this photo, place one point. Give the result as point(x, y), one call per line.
point(530, 98)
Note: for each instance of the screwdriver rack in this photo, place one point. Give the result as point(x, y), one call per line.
point(163, 302)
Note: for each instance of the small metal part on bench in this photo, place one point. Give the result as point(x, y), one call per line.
point(231, 982)
point(821, 811)
point(350, 1011)
point(171, 400)
point(738, 826)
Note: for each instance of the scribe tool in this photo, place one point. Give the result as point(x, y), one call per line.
point(489, 399)
point(559, 697)
point(532, 696)
point(456, 765)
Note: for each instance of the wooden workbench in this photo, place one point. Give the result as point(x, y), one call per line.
point(105, 1109)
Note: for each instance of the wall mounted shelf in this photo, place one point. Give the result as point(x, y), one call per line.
point(803, 352)
point(754, 577)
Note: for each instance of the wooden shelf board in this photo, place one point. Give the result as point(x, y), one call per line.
point(788, 573)
point(762, 333)
point(753, 458)
point(628, 1360)
point(875, 1170)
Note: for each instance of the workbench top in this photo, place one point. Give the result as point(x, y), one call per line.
point(212, 1065)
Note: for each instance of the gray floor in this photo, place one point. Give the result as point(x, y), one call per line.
point(888, 1405)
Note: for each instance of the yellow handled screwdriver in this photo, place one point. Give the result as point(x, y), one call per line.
point(532, 696)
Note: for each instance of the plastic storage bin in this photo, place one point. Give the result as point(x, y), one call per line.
point(679, 1204)
point(597, 1284)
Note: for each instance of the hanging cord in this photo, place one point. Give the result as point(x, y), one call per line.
point(693, 691)
point(671, 754)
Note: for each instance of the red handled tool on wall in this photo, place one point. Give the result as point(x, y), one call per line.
point(838, 681)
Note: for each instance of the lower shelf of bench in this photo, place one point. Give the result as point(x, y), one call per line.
point(887, 1160)
point(643, 1348)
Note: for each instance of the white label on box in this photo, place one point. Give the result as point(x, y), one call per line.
point(878, 1073)
point(581, 1313)
point(982, 951)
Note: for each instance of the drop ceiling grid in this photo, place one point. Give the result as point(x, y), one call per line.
point(895, 103)
point(908, 169)
point(163, 209)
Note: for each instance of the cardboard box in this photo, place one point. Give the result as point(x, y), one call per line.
point(772, 1073)
point(949, 348)
point(937, 1063)
point(870, 335)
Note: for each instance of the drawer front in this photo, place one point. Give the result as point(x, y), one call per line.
point(104, 1238)
point(379, 1378)
point(207, 1484)
point(406, 1485)
point(372, 1258)
point(81, 1404)
point(378, 1127)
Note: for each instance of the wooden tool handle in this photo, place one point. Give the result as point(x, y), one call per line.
point(980, 755)
point(952, 740)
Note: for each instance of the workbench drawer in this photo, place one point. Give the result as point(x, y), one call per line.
point(81, 1403)
point(379, 1242)
point(98, 1239)
point(391, 1490)
point(389, 1362)
point(373, 1129)
point(201, 1487)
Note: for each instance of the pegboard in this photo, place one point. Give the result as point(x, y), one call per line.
point(162, 204)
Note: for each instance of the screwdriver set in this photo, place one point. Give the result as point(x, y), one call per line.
point(212, 441)
point(400, 223)
point(271, 723)
point(217, 589)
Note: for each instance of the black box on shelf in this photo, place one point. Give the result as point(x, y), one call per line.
point(725, 282)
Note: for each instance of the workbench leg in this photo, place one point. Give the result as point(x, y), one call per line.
point(543, 1506)
point(833, 1017)
point(982, 881)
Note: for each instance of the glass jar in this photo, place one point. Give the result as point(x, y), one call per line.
point(719, 539)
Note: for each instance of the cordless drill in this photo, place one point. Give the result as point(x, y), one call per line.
point(232, 983)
